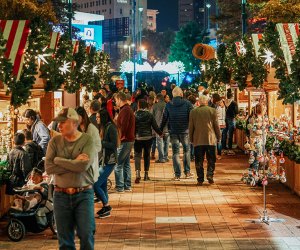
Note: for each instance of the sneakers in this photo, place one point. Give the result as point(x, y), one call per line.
point(104, 212)
point(160, 161)
point(119, 190)
point(210, 180)
point(176, 178)
point(167, 160)
point(128, 190)
point(199, 183)
point(189, 175)
point(96, 200)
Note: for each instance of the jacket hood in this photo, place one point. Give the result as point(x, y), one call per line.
point(178, 101)
point(142, 115)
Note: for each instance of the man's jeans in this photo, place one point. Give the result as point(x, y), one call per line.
point(229, 129)
point(100, 186)
point(75, 212)
point(122, 170)
point(163, 146)
point(219, 144)
point(200, 152)
point(176, 139)
point(139, 146)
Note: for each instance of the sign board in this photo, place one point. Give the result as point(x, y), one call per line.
point(92, 34)
point(120, 83)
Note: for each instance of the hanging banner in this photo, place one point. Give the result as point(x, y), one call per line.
point(288, 34)
point(16, 33)
point(54, 40)
point(255, 40)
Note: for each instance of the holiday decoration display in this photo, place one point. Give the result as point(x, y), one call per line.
point(203, 51)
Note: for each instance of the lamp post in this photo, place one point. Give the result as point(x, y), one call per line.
point(70, 18)
point(134, 48)
point(208, 5)
point(140, 33)
point(244, 18)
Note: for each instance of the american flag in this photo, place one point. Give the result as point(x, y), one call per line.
point(16, 33)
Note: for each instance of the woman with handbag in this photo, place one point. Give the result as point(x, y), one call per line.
point(110, 141)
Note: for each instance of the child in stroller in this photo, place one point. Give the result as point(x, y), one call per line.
point(32, 210)
point(24, 203)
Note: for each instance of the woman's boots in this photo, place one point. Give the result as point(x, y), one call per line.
point(138, 176)
point(146, 177)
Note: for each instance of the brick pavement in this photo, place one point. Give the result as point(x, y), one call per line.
point(219, 210)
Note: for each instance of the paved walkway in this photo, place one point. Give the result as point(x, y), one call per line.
point(208, 217)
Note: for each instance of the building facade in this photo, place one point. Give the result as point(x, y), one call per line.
point(199, 11)
point(151, 19)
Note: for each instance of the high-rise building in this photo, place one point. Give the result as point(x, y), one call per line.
point(118, 16)
point(151, 19)
point(112, 9)
point(197, 10)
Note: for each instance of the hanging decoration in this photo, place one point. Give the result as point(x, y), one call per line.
point(269, 57)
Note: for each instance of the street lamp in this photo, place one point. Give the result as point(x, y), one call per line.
point(140, 32)
point(126, 46)
point(244, 17)
point(134, 48)
point(208, 5)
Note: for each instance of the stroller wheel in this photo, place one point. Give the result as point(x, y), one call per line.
point(52, 224)
point(109, 184)
point(15, 230)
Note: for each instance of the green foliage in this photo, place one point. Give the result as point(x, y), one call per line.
point(288, 148)
point(4, 173)
point(51, 72)
point(290, 85)
point(241, 124)
point(181, 49)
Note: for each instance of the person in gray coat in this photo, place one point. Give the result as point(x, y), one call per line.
point(162, 142)
point(204, 134)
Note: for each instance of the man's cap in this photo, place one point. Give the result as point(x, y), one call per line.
point(65, 114)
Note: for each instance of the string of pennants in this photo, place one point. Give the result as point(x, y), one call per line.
point(16, 32)
point(288, 34)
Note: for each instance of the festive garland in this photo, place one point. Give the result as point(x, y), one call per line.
point(20, 90)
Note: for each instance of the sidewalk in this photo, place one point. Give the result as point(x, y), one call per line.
point(206, 217)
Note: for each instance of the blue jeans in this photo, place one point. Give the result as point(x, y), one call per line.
point(100, 186)
point(175, 141)
point(153, 146)
point(200, 152)
point(219, 144)
point(75, 212)
point(229, 129)
point(163, 146)
point(122, 170)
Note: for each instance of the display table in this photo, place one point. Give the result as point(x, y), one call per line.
point(5, 201)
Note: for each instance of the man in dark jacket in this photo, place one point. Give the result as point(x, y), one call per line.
point(126, 126)
point(177, 114)
point(18, 163)
point(231, 112)
point(162, 142)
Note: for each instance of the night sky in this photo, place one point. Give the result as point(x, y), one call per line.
point(168, 13)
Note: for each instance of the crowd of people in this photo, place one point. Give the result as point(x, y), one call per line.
point(97, 138)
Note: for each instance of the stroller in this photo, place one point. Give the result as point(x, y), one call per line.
point(35, 220)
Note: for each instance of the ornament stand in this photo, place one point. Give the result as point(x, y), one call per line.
point(264, 218)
